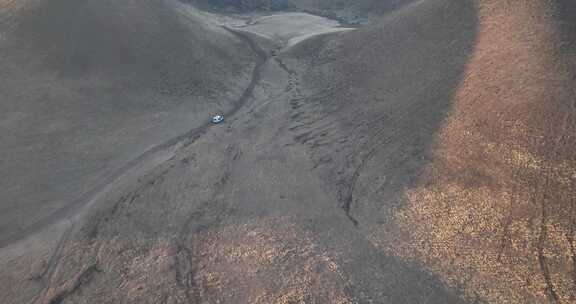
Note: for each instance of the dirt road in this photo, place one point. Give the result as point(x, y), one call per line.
point(147, 160)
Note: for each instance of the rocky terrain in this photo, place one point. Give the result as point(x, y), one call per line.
point(425, 157)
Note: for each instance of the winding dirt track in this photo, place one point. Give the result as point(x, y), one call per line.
point(145, 161)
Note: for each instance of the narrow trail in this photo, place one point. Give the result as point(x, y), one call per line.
point(114, 179)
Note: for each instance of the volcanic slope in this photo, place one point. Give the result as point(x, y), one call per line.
point(426, 158)
point(87, 86)
point(241, 214)
point(454, 142)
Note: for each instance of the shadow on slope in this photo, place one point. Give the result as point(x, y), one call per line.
point(460, 148)
point(381, 94)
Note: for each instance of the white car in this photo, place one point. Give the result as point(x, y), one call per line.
point(217, 119)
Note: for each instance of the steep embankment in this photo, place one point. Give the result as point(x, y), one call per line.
point(89, 85)
point(460, 155)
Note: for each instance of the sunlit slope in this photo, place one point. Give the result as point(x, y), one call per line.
point(88, 85)
point(461, 151)
point(503, 175)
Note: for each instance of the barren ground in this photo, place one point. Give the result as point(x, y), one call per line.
point(425, 158)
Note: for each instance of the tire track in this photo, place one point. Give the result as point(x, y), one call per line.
point(211, 212)
point(78, 281)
